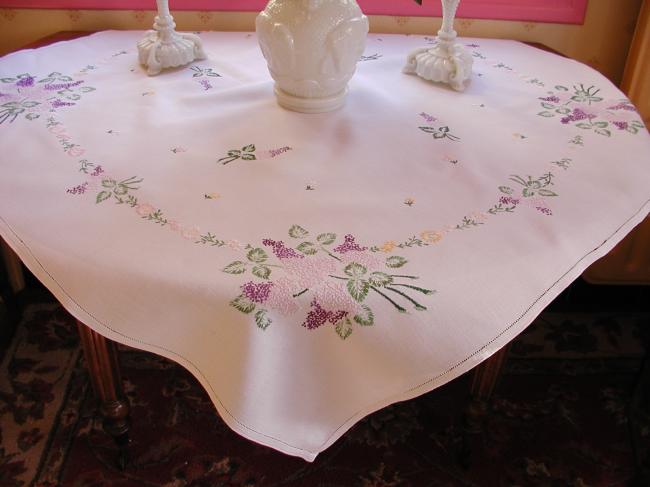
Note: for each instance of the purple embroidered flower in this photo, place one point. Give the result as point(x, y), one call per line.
point(552, 99)
point(621, 125)
point(26, 82)
point(348, 245)
point(317, 316)
point(257, 292)
point(58, 103)
point(206, 84)
point(544, 210)
point(280, 251)
point(623, 106)
point(80, 189)
point(97, 171)
point(62, 86)
point(508, 200)
point(578, 114)
point(474, 45)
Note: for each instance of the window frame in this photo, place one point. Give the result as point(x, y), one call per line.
point(558, 11)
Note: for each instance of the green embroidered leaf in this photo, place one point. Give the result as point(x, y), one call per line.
point(563, 111)
point(632, 130)
point(603, 132)
point(296, 231)
point(550, 106)
point(73, 96)
point(87, 89)
point(506, 189)
point(637, 124)
point(243, 304)
point(262, 320)
point(248, 157)
point(355, 270)
point(546, 114)
point(32, 116)
point(428, 130)
point(561, 88)
point(261, 271)
point(344, 328)
point(365, 318)
point(8, 80)
point(583, 125)
point(547, 192)
point(395, 261)
point(380, 279)
point(326, 238)
point(257, 255)
point(307, 248)
point(103, 196)
point(31, 104)
point(226, 160)
point(109, 183)
point(528, 192)
point(601, 125)
point(249, 148)
point(358, 289)
point(237, 267)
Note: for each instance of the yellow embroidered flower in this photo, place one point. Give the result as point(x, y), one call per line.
point(388, 246)
point(431, 236)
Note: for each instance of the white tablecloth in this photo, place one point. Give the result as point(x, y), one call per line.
point(311, 269)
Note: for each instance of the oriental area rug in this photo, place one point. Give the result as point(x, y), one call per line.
point(559, 417)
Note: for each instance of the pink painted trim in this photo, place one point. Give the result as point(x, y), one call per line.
point(561, 11)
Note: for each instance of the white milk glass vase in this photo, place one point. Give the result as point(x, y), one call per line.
point(312, 48)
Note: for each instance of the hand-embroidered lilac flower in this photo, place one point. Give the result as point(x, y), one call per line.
point(428, 118)
point(276, 152)
point(80, 189)
point(205, 84)
point(317, 316)
point(280, 250)
point(473, 45)
point(31, 97)
point(348, 245)
point(257, 292)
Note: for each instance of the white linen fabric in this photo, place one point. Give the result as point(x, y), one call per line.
point(311, 269)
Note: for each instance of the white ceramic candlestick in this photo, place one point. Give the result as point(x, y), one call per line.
point(163, 47)
point(446, 61)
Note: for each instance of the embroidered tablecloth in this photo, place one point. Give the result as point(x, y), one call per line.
point(311, 269)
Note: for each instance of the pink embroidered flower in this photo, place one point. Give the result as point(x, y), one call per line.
point(544, 210)
point(307, 273)
point(576, 115)
point(173, 225)
point(76, 151)
point(191, 233)
point(281, 296)
point(348, 245)
point(508, 200)
point(333, 295)
point(257, 292)
point(235, 245)
point(620, 125)
point(144, 209)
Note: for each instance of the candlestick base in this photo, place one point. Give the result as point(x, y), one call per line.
point(163, 47)
point(444, 62)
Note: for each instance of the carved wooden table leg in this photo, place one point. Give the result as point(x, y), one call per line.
point(103, 367)
point(485, 377)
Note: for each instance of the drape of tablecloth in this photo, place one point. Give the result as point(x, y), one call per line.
point(311, 269)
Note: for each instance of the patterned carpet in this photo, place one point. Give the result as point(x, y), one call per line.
point(559, 418)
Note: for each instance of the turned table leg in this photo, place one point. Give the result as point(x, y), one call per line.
point(485, 377)
point(103, 367)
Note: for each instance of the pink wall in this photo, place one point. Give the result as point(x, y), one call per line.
point(562, 11)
